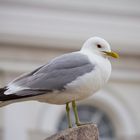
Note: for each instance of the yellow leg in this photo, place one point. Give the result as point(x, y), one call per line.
point(68, 115)
point(75, 113)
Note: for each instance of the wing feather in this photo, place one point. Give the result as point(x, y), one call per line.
point(53, 76)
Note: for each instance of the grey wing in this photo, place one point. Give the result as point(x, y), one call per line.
point(55, 75)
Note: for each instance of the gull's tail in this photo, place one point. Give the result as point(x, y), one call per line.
point(27, 94)
point(7, 99)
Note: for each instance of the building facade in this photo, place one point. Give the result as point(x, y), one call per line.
point(34, 32)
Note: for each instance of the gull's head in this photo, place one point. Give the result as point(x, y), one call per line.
point(98, 46)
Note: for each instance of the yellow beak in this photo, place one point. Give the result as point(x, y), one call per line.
point(113, 54)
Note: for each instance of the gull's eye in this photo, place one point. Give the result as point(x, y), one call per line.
point(99, 46)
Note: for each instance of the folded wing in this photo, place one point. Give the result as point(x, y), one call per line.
point(47, 78)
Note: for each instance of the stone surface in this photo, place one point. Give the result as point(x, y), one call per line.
point(84, 132)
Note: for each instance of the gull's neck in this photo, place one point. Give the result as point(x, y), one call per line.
point(93, 56)
point(102, 64)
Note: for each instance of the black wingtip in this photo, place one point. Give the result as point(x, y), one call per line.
point(2, 90)
point(2, 95)
point(31, 93)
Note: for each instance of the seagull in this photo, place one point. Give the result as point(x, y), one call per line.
point(65, 79)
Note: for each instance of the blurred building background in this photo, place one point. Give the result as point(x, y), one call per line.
point(34, 31)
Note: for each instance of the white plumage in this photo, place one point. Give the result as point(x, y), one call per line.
point(67, 78)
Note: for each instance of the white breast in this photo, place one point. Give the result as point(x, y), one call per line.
point(86, 85)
